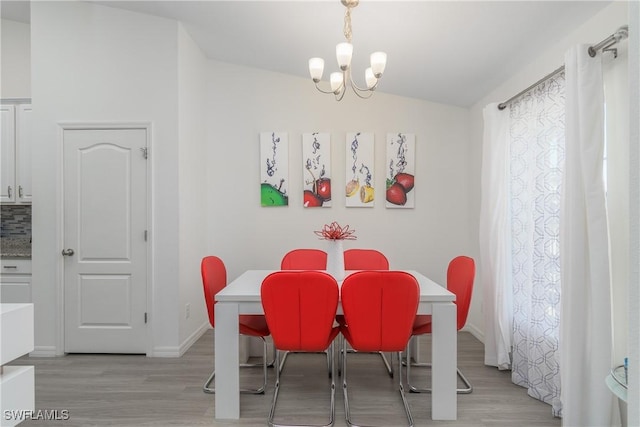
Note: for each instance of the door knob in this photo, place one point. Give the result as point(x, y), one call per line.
point(67, 252)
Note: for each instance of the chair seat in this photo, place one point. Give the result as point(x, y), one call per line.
point(253, 325)
point(310, 349)
point(422, 325)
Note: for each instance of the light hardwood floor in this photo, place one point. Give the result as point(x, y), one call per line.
point(125, 390)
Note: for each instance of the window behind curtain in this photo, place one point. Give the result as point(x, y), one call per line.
point(537, 159)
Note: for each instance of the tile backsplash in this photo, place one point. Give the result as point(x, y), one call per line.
point(15, 220)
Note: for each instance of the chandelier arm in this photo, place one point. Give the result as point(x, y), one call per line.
point(363, 93)
point(360, 95)
point(357, 89)
point(322, 90)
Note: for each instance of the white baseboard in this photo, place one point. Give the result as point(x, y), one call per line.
point(195, 336)
point(43, 351)
point(473, 330)
point(178, 351)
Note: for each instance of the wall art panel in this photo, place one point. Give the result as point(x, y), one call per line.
point(316, 169)
point(274, 169)
point(401, 163)
point(359, 188)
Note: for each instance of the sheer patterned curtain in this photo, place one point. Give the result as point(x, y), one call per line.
point(523, 158)
point(536, 132)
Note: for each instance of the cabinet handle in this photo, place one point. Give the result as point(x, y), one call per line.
point(20, 191)
point(9, 191)
point(10, 266)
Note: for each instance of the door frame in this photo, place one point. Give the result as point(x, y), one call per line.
point(60, 276)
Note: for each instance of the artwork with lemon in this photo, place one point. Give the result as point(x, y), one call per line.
point(359, 154)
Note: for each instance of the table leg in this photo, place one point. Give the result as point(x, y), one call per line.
point(227, 379)
point(444, 356)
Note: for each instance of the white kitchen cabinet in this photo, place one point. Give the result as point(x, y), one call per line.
point(15, 281)
point(15, 177)
point(17, 383)
point(8, 153)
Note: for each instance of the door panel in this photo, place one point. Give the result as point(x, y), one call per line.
point(105, 221)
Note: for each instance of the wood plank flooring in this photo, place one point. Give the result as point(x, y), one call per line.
point(125, 390)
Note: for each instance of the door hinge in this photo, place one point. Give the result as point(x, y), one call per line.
point(145, 317)
point(146, 235)
point(145, 152)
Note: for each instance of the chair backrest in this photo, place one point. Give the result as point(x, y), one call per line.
point(304, 259)
point(379, 309)
point(300, 308)
point(365, 259)
point(460, 275)
point(214, 279)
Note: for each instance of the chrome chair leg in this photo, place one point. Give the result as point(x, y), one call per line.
point(211, 390)
point(466, 390)
point(276, 390)
point(329, 362)
point(388, 364)
point(347, 411)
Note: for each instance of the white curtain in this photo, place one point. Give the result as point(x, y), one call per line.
point(586, 337)
point(523, 159)
point(495, 238)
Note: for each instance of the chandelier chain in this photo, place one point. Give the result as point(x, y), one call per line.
point(347, 25)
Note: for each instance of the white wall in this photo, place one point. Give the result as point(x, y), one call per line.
point(15, 64)
point(192, 114)
point(598, 28)
point(244, 102)
point(98, 64)
point(94, 63)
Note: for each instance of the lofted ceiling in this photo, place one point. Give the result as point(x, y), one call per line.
point(451, 52)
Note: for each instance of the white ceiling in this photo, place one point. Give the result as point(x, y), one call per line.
point(452, 52)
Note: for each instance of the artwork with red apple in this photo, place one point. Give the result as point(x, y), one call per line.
point(316, 159)
point(400, 178)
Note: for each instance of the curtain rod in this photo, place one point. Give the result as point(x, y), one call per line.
point(620, 34)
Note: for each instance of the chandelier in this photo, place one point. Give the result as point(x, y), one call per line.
point(340, 80)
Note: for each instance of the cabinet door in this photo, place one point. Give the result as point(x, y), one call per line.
point(15, 288)
point(7, 154)
point(23, 153)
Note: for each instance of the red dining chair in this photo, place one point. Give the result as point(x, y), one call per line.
point(304, 259)
point(300, 308)
point(460, 275)
point(379, 309)
point(366, 259)
point(214, 279)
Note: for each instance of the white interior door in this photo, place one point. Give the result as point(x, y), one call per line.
point(105, 250)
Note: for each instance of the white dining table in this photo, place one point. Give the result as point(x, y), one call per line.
point(242, 296)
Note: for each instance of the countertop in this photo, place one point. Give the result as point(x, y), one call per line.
point(15, 247)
